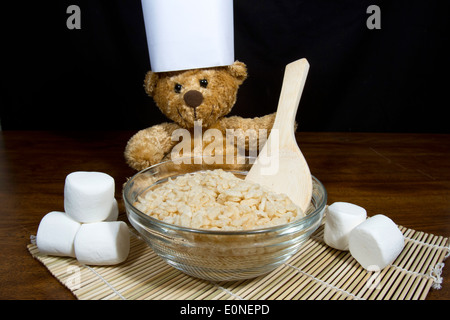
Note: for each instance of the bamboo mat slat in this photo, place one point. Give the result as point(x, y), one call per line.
point(315, 272)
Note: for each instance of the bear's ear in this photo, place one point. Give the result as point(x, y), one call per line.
point(151, 78)
point(239, 71)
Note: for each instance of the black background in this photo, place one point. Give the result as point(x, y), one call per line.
point(389, 80)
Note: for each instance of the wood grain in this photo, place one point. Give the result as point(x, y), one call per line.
point(404, 176)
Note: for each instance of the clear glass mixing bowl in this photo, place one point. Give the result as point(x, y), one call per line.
point(218, 255)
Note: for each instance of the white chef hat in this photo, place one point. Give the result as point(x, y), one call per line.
point(189, 34)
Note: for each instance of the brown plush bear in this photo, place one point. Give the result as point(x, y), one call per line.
point(195, 96)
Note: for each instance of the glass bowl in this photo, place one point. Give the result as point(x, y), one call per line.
point(218, 255)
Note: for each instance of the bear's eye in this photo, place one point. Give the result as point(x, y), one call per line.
point(177, 88)
point(204, 83)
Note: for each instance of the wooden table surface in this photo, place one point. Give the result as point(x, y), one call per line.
point(404, 176)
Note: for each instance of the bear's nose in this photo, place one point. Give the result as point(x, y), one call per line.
point(193, 98)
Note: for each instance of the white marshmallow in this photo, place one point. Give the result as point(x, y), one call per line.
point(56, 234)
point(102, 243)
point(376, 242)
point(88, 196)
point(114, 213)
point(341, 218)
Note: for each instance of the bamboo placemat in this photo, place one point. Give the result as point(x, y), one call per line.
point(315, 272)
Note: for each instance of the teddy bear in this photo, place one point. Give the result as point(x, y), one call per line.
point(189, 98)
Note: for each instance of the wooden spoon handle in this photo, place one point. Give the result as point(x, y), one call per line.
point(293, 83)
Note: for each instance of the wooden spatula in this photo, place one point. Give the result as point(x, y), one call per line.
point(280, 165)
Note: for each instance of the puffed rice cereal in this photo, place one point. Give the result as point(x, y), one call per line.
point(217, 200)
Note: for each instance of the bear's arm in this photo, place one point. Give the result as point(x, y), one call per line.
point(257, 123)
point(249, 126)
point(254, 124)
point(149, 146)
